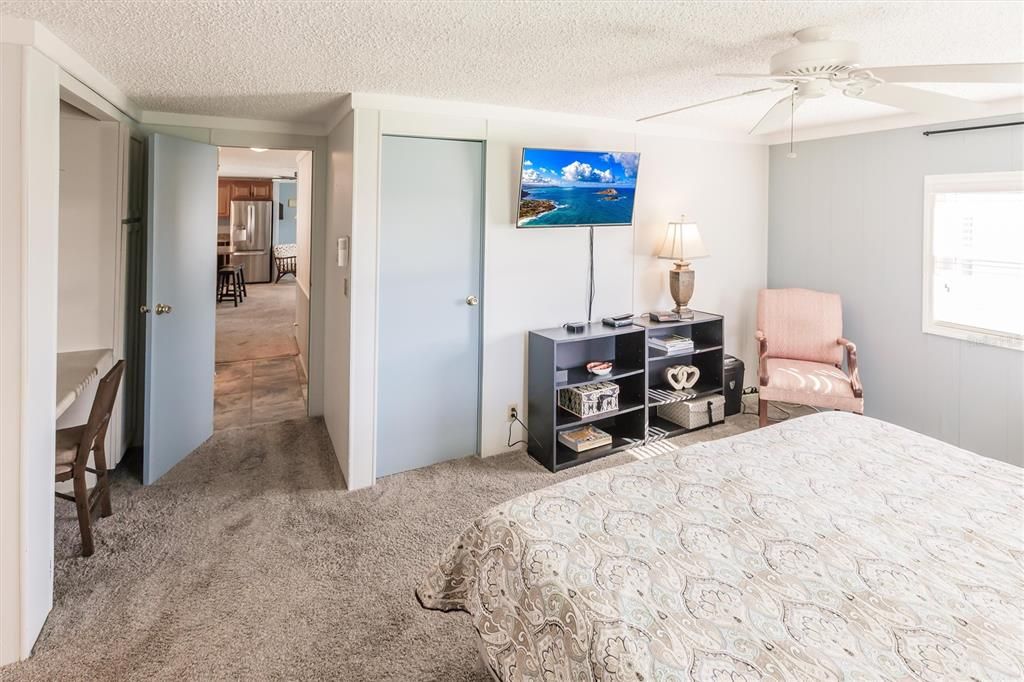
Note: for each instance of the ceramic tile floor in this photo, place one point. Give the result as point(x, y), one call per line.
point(258, 391)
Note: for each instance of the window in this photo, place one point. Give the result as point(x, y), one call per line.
point(974, 257)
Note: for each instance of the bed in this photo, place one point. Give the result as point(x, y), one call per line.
point(833, 546)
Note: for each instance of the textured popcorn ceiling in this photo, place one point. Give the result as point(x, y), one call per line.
point(293, 60)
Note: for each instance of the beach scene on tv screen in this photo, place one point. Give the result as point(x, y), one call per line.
point(562, 187)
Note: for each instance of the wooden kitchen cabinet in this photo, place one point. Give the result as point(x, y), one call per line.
point(223, 200)
point(261, 190)
point(242, 189)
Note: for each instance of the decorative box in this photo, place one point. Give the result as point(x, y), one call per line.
point(692, 414)
point(590, 399)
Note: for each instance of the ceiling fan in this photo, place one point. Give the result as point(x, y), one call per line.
point(819, 65)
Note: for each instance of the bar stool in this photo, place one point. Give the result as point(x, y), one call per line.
point(241, 280)
point(230, 284)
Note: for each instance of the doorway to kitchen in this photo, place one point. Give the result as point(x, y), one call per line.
point(264, 202)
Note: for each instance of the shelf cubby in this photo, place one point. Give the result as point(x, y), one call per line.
point(708, 334)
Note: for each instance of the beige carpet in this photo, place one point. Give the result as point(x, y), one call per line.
point(263, 326)
point(245, 562)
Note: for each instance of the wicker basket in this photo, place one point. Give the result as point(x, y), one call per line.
point(692, 414)
point(590, 399)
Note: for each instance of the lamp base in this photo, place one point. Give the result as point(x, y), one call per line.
point(680, 284)
point(683, 312)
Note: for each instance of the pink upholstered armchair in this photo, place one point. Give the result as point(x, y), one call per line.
point(801, 345)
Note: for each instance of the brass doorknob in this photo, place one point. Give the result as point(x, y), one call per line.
point(472, 300)
point(163, 308)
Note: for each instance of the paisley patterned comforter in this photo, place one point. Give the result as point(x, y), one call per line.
point(828, 547)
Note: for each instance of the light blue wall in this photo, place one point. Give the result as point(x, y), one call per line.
point(284, 230)
point(846, 216)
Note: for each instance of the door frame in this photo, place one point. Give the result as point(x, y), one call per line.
point(377, 281)
point(315, 265)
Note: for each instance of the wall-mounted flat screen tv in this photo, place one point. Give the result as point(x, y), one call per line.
point(563, 188)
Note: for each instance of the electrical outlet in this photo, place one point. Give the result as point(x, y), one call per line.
point(513, 412)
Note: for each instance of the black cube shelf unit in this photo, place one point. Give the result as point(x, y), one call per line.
point(637, 368)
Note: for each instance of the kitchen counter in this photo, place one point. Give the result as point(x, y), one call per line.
point(75, 370)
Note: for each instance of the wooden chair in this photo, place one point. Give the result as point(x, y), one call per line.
point(800, 347)
point(73, 447)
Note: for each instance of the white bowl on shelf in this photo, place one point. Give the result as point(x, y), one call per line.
point(599, 368)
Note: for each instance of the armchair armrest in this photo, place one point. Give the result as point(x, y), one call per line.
point(851, 366)
point(762, 357)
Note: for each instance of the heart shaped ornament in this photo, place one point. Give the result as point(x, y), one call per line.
point(682, 376)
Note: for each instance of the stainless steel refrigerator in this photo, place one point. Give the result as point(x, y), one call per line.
point(251, 229)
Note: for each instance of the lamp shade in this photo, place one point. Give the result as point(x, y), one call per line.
point(683, 242)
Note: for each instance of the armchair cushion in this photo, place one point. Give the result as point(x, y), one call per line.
point(810, 383)
point(286, 250)
point(801, 324)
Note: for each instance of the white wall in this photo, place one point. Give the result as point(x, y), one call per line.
point(29, 175)
point(724, 187)
point(846, 216)
point(537, 278)
point(89, 222)
point(337, 309)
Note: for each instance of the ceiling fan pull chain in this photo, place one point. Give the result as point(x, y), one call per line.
point(792, 111)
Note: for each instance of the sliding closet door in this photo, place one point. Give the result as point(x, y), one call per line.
point(431, 234)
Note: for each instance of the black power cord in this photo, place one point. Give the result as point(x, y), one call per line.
point(520, 442)
point(590, 273)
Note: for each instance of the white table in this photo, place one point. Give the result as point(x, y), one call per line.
point(75, 370)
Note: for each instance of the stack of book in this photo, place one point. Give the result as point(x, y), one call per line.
point(672, 345)
point(585, 438)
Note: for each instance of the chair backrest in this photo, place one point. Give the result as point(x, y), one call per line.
point(801, 324)
point(99, 415)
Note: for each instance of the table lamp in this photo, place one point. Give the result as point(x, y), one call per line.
point(682, 244)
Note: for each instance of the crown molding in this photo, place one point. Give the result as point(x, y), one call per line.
point(423, 105)
point(33, 34)
point(343, 110)
point(167, 118)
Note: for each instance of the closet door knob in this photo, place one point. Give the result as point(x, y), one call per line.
point(163, 308)
point(143, 309)
point(472, 300)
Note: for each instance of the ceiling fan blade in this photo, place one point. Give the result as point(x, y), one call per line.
point(701, 104)
point(951, 73)
point(778, 115)
point(922, 101)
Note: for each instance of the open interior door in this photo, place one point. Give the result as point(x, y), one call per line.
point(181, 260)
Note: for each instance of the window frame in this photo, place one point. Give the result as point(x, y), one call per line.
point(961, 182)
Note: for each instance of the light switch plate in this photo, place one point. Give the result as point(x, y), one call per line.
point(342, 252)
